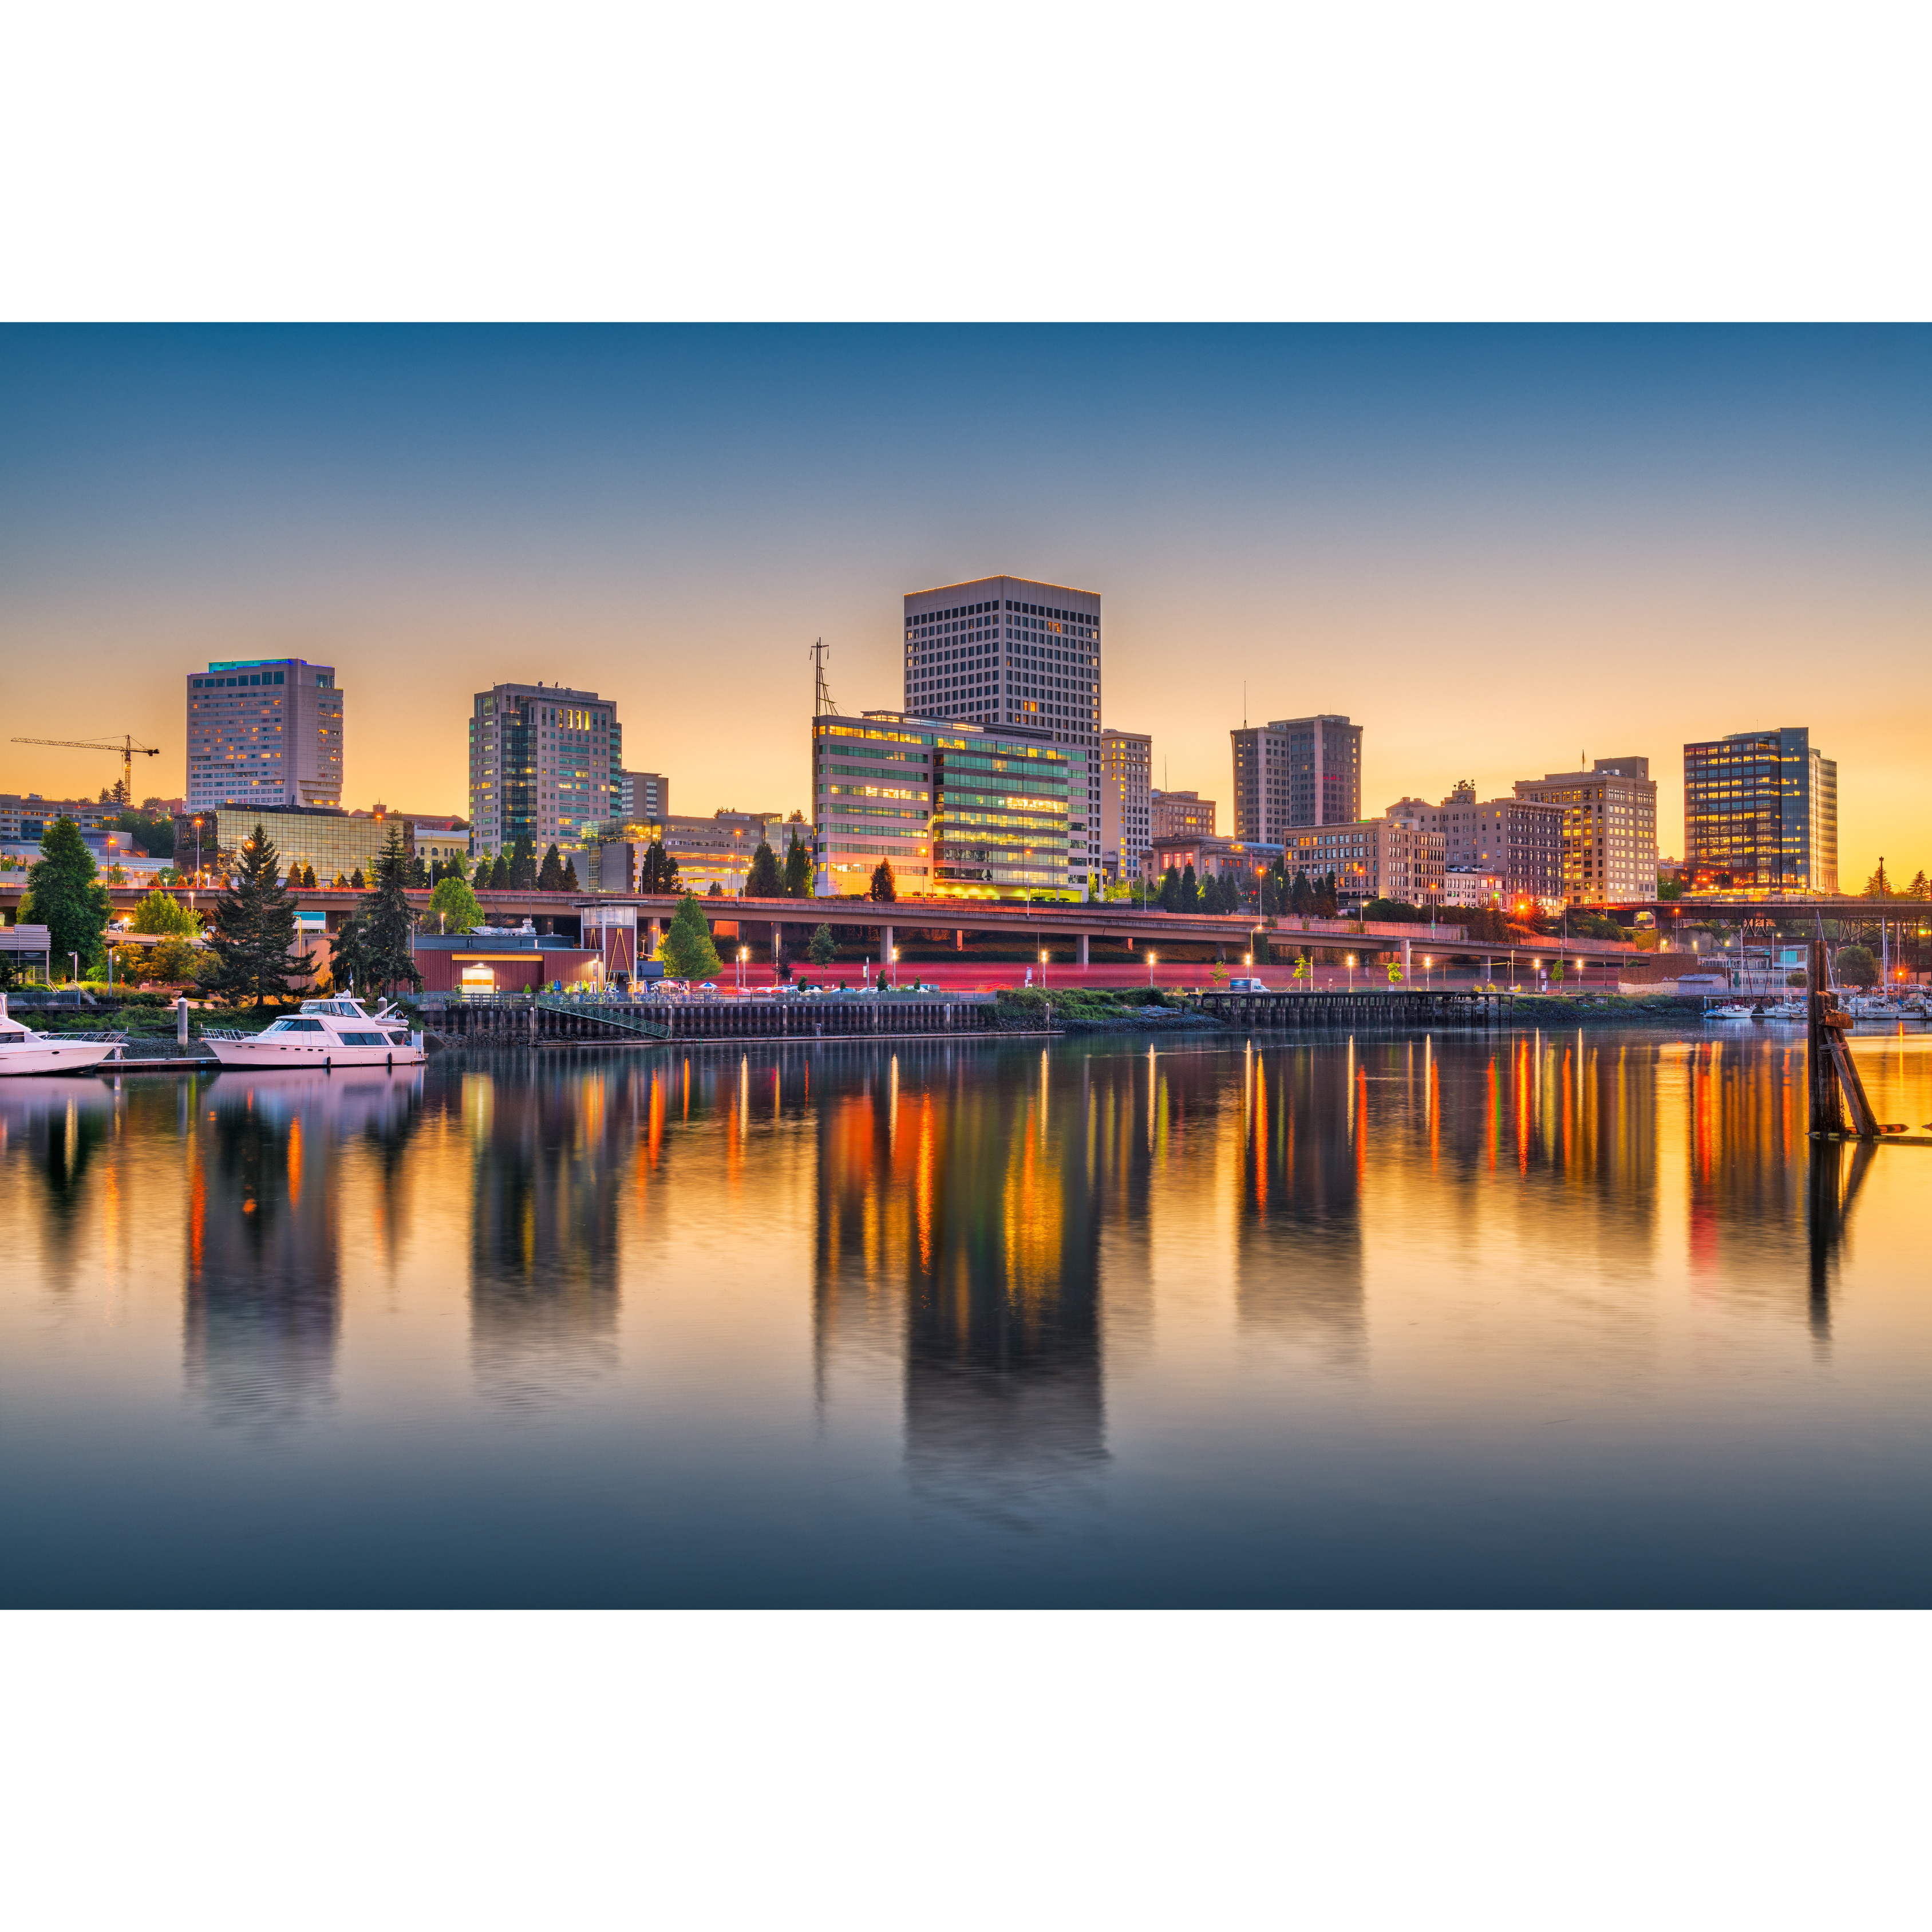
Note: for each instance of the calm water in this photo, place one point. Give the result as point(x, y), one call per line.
point(1545, 1319)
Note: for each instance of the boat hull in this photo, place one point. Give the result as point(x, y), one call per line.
point(292, 1056)
point(44, 1056)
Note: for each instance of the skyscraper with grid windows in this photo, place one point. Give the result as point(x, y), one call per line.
point(1013, 652)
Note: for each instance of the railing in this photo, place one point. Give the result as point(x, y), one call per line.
point(604, 1012)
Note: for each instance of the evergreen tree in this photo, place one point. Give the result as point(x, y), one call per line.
point(357, 883)
point(1190, 890)
point(823, 948)
point(251, 953)
point(798, 869)
point(884, 889)
point(486, 875)
point(686, 950)
point(1325, 900)
point(1919, 889)
point(372, 950)
point(657, 870)
point(419, 877)
point(65, 894)
point(550, 878)
point(522, 864)
point(1878, 886)
point(762, 881)
point(1170, 890)
point(308, 878)
point(456, 866)
point(1301, 896)
point(294, 874)
point(571, 882)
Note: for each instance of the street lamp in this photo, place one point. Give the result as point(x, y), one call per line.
point(744, 953)
point(895, 968)
point(1350, 958)
point(1043, 969)
point(1426, 963)
point(1150, 972)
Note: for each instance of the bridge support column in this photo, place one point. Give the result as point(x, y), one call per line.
point(885, 948)
point(1082, 954)
point(1405, 962)
point(959, 942)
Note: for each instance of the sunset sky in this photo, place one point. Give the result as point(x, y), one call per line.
point(1495, 549)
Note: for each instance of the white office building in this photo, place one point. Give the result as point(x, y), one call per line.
point(265, 732)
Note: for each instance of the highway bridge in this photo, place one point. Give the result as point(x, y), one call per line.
point(1061, 925)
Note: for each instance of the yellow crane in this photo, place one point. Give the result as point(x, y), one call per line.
point(126, 745)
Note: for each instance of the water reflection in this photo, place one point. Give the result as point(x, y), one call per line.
point(549, 1155)
point(262, 1301)
point(1006, 1299)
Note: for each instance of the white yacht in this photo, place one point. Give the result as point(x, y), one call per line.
point(326, 1033)
point(1732, 1010)
point(24, 1050)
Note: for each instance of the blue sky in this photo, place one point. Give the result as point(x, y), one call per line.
point(1494, 548)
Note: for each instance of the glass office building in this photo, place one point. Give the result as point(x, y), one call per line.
point(1761, 812)
point(958, 812)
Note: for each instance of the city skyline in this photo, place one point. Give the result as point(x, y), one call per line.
point(1496, 550)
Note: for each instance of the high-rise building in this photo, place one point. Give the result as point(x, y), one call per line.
point(1179, 815)
point(1519, 841)
point(1006, 652)
point(1609, 829)
point(546, 763)
point(644, 798)
point(957, 811)
point(1127, 816)
point(1296, 772)
point(1761, 811)
point(263, 731)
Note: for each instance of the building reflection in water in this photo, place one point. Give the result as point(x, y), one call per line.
point(548, 1157)
point(59, 1125)
point(262, 1314)
point(1298, 1236)
point(959, 1202)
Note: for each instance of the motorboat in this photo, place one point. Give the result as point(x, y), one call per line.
point(326, 1033)
point(24, 1050)
point(1732, 1010)
point(1786, 1010)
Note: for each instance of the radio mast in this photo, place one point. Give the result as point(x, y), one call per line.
point(822, 704)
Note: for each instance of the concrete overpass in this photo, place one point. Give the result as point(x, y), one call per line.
point(1231, 934)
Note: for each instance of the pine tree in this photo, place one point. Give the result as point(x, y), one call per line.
point(308, 878)
point(571, 884)
point(294, 874)
point(65, 894)
point(486, 875)
point(884, 889)
point(686, 950)
point(357, 883)
point(1918, 888)
point(762, 881)
point(523, 864)
point(823, 949)
point(373, 950)
point(251, 953)
point(657, 871)
point(797, 869)
point(1170, 890)
point(550, 878)
point(1190, 890)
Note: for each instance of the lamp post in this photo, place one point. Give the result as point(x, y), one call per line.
point(1427, 963)
point(744, 953)
point(1150, 971)
point(895, 968)
point(1350, 959)
point(1043, 969)
point(75, 958)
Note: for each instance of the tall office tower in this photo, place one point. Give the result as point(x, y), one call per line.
point(1009, 651)
point(1296, 772)
point(1762, 808)
point(265, 731)
point(1126, 823)
point(1180, 815)
point(1609, 829)
point(546, 763)
point(644, 798)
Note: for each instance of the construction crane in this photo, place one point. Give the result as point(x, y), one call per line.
point(125, 745)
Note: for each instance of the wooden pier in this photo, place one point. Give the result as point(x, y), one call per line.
point(521, 1021)
point(1366, 1007)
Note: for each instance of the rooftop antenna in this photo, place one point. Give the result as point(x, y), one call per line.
point(822, 704)
point(1244, 704)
